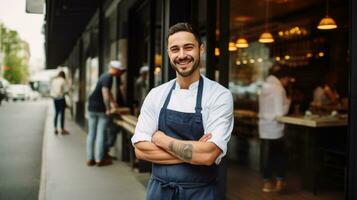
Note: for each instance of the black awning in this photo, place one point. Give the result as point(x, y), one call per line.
point(65, 22)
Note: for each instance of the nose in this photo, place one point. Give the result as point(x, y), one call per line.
point(182, 53)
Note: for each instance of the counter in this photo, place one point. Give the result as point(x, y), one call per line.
point(315, 121)
point(128, 122)
point(323, 142)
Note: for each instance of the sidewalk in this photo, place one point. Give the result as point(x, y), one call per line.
point(65, 176)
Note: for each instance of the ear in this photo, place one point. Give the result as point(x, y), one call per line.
point(202, 49)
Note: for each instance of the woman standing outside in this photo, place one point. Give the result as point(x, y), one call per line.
point(58, 91)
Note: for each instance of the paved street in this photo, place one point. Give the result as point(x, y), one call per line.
point(21, 133)
point(36, 164)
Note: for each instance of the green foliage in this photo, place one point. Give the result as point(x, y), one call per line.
point(15, 64)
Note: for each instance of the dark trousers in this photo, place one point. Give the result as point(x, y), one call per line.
point(273, 158)
point(111, 135)
point(60, 106)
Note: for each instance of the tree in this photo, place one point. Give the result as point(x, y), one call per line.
point(15, 56)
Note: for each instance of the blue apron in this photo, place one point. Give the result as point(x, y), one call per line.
point(182, 181)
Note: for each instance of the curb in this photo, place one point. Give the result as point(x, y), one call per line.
point(43, 183)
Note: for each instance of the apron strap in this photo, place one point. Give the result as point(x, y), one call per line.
point(199, 96)
point(167, 100)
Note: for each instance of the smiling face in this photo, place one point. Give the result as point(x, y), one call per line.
point(184, 53)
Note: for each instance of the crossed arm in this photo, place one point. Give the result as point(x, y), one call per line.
point(167, 150)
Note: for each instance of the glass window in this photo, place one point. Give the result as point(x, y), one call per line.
point(110, 39)
point(158, 43)
point(288, 35)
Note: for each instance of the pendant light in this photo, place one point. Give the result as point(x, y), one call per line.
point(327, 22)
point(266, 36)
point(232, 46)
point(242, 43)
point(217, 51)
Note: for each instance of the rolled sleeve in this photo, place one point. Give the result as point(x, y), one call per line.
point(220, 122)
point(147, 122)
point(139, 137)
point(220, 144)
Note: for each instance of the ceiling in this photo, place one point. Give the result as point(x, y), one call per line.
point(245, 12)
point(65, 21)
point(248, 18)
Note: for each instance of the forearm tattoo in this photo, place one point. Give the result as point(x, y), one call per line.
point(181, 150)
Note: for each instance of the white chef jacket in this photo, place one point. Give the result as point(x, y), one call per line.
point(272, 103)
point(217, 111)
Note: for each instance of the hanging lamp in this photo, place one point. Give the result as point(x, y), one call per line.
point(242, 43)
point(217, 52)
point(232, 46)
point(327, 23)
point(266, 36)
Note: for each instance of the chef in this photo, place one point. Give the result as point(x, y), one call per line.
point(184, 125)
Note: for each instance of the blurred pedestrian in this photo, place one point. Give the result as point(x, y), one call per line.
point(101, 105)
point(273, 102)
point(59, 89)
point(142, 86)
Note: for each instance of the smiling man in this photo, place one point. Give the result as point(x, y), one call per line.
point(184, 125)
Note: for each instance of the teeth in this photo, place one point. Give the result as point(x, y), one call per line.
point(184, 63)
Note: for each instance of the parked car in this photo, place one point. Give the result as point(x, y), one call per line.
point(34, 95)
point(18, 92)
point(2, 92)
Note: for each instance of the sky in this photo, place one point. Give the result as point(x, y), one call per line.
point(29, 26)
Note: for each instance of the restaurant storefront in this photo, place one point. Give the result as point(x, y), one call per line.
point(320, 148)
point(265, 34)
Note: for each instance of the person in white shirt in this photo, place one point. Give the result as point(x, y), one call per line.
point(58, 90)
point(273, 102)
point(184, 125)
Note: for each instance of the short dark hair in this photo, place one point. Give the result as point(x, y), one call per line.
point(186, 27)
point(279, 71)
point(61, 74)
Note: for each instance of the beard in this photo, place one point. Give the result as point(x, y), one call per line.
point(196, 64)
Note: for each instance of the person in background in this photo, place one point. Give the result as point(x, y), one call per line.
point(58, 91)
point(113, 129)
point(184, 125)
point(101, 105)
point(325, 95)
point(273, 102)
point(142, 86)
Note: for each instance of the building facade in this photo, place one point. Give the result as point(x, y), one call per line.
point(86, 35)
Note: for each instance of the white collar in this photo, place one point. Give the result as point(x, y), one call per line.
point(193, 85)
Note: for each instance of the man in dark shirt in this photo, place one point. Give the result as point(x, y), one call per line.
point(100, 105)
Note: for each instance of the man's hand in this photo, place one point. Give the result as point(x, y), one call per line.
point(113, 113)
point(157, 136)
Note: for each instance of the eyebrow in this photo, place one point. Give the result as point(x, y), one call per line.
point(185, 45)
